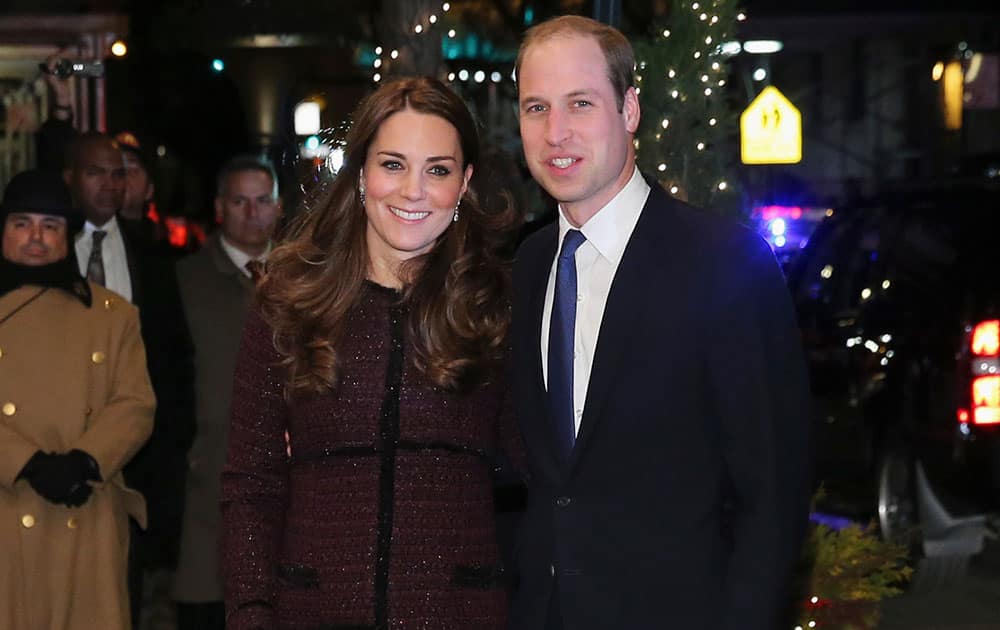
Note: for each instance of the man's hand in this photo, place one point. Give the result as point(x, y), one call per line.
point(62, 478)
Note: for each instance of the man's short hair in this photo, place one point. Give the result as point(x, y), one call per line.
point(618, 54)
point(242, 163)
point(82, 143)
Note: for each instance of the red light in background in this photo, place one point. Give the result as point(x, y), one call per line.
point(986, 400)
point(986, 338)
point(963, 415)
point(177, 232)
point(773, 212)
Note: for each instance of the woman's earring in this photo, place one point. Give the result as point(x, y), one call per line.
point(361, 193)
point(454, 219)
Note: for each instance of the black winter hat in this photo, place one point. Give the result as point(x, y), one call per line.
point(39, 192)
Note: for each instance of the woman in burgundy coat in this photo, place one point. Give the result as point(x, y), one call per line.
point(378, 349)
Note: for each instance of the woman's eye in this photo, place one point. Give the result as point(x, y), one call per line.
point(440, 171)
point(392, 165)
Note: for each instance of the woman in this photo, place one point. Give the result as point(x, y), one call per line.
point(377, 348)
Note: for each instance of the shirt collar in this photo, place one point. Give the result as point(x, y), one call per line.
point(239, 257)
point(111, 227)
point(611, 226)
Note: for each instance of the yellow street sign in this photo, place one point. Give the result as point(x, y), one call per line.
point(771, 130)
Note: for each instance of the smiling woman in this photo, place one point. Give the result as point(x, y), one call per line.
point(376, 356)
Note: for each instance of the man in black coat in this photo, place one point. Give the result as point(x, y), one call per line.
point(658, 376)
point(114, 257)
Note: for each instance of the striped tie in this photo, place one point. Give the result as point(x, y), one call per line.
point(95, 264)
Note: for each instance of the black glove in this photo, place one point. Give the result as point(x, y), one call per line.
point(62, 478)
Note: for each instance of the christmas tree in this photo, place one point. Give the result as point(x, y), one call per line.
point(688, 124)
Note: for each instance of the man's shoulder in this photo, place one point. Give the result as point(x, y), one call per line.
point(696, 228)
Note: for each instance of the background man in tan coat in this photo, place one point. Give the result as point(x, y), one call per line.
point(75, 406)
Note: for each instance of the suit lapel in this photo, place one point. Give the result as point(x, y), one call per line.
point(626, 301)
point(542, 421)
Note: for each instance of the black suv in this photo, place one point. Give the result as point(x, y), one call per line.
point(899, 305)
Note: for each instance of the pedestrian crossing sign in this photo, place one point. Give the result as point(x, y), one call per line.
point(771, 130)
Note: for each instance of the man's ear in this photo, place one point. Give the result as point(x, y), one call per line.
point(630, 110)
point(150, 191)
point(218, 210)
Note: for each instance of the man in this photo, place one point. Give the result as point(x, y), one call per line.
point(107, 255)
point(658, 376)
point(139, 187)
point(216, 288)
point(76, 405)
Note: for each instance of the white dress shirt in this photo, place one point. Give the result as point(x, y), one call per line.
point(116, 274)
point(241, 258)
point(607, 233)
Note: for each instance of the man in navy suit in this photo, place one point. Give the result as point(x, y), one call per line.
point(658, 373)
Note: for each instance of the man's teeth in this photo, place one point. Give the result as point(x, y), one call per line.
point(562, 162)
point(409, 216)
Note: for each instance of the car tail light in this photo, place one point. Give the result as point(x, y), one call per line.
point(986, 338)
point(979, 404)
point(986, 400)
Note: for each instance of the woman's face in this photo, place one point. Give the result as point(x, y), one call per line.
point(413, 179)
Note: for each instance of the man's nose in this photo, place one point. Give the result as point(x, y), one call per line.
point(556, 127)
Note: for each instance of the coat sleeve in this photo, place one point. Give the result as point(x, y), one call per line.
point(759, 378)
point(15, 451)
point(254, 481)
point(124, 423)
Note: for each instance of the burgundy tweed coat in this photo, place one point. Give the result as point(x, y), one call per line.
point(382, 517)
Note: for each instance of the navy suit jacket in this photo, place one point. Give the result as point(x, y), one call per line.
point(685, 500)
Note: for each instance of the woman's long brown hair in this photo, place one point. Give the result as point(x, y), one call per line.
point(458, 295)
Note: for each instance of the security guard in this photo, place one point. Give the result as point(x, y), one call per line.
point(75, 405)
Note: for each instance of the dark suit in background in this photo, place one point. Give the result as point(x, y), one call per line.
point(216, 296)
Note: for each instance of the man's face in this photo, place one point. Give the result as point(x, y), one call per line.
point(138, 187)
point(248, 210)
point(34, 239)
point(97, 181)
point(577, 144)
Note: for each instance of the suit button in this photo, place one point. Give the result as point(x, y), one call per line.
point(563, 501)
point(97, 357)
point(72, 523)
point(552, 570)
point(9, 409)
point(28, 521)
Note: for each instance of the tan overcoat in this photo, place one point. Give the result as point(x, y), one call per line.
point(70, 377)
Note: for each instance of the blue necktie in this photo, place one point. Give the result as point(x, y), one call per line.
point(562, 328)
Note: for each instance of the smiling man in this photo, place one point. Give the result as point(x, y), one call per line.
point(75, 406)
point(658, 376)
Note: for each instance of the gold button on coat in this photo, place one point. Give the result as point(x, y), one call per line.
point(71, 523)
point(1, 353)
point(108, 302)
point(9, 409)
point(97, 357)
point(28, 521)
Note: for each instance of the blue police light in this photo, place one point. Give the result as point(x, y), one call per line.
point(218, 65)
point(312, 143)
point(778, 227)
point(779, 241)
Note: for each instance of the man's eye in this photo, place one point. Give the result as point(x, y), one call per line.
point(582, 103)
point(532, 109)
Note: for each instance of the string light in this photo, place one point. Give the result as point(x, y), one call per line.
point(715, 65)
point(701, 146)
point(703, 17)
point(697, 54)
point(708, 40)
point(722, 82)
point(451, 77)
point(666, 32)
point(675, 93)
point(722, 185)
point(674, 189)
point(741, 16)
point(671, 73)
point(712, 121)
point(662, 167)
point(708, 91)
point(665, 123)
point(419, 29)
point(704, 78)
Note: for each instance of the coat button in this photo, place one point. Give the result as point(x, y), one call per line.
point(1, 353)
point(71, 523)
point(97, 357)
point(563, 501)
point(28, 521)
point(108, 302)
point(552, 570)
point(9, 409)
